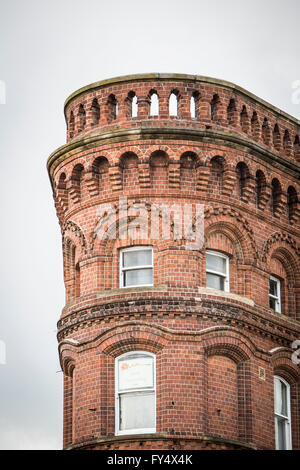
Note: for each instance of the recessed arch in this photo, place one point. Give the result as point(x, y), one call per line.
point(276, 138)
point(95, 112)
point(188, 161)
point(232, 112)
point(81, 118)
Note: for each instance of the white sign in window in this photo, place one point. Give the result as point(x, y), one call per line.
point(135, 372)
point(135, 393)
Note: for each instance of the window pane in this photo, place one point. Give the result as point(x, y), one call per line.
point(272, 303)
point(215, 263)
point(137, 410)
point(281, 433)
point(280, 390)
point(137, 258)
point(214, 281)
point(283, 399)
point(136, 371)
point(138, 277)
point(273, 287)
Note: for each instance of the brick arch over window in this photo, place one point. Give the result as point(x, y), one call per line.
point(116, 237)
point(282, 264)
point(131, 337)
point(285, 368)
point(224, 218)
point(227, 371)
point(240, 243)
point(222, 239)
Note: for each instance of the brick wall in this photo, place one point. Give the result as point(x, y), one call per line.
point(216, 353)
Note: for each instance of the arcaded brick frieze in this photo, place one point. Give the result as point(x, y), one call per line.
point(228, 163)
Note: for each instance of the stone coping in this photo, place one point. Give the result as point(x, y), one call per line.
point(181, 77)
point(226, 295)
point(160, 437)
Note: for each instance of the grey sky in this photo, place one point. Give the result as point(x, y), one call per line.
point(48, 49)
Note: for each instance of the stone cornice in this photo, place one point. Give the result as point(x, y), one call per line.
point(172, 133)
point(111, 440)
point(221, 310)
point(183, 78)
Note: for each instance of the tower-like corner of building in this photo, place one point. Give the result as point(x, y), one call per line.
point(178, 202)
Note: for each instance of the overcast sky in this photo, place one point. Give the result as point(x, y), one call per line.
point(48, 49)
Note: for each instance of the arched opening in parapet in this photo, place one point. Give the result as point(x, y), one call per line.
point(82, 118)
point(276, 138)
point(95, 112)
point(173, 103)
point(154, 103)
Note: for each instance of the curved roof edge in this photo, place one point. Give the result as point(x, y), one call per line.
point(183, 77)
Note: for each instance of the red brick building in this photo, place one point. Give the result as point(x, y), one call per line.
point(165, 345)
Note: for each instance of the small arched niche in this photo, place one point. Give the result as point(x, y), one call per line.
point(187, 171)
point(159, 170)
point(129, 168)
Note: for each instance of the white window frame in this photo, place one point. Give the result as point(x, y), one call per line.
point(288, 427)
point(278, 297)
point(131, 268)
point(226, 275)
point(119, 432)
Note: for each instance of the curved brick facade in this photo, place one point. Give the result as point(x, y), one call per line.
point(216, 352)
